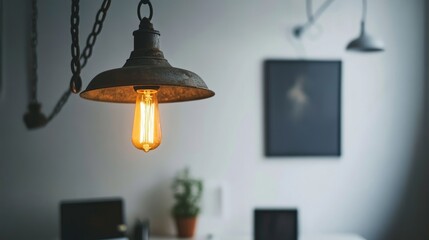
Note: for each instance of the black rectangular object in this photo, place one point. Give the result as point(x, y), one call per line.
point(91, 220)
point(302, 108)
point(275, 224)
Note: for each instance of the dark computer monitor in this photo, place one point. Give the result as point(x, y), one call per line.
point(275, 224)
point(92, 219)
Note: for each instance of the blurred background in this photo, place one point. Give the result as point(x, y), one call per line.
point(377, 188)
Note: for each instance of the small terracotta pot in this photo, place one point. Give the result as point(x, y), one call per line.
point(186, 226)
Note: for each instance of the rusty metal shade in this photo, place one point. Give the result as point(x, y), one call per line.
point(146, 67)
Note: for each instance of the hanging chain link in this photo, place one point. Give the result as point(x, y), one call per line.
point(139, 9)
point(79, 60)
point(76, 81)
point(96, 29)
point(60, 104)
point(33, 96)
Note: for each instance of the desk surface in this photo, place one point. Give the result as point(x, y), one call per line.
point(303, 237)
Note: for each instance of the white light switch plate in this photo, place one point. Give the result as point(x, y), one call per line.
point(213, 200)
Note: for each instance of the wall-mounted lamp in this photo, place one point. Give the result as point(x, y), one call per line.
point(363, 43)
point(146, 79)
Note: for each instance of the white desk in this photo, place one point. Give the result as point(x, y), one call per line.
point(303, 237)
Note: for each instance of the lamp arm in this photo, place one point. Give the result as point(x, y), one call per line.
point(311, 18)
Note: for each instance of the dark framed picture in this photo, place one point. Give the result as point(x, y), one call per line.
point(302, 108)
point(1, 47)
point(275, 224)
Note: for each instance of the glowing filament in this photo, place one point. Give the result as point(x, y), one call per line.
point(147, 128)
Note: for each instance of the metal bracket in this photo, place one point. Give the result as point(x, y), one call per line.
point(299, 30)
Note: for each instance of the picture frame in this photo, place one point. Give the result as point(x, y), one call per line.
point(302, 108)
point(1, 49)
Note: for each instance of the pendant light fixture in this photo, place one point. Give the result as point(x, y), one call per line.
point(365, 42)
point(146, 79)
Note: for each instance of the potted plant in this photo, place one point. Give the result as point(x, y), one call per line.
point(187, 193)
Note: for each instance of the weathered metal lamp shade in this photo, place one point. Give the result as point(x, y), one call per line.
point(146, 67)
point(365, 43)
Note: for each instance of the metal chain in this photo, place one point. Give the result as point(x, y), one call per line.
point(77, 57)
point(76, 64)
point(96, 29)
point(79, 60)
point(76, 81)
point(141, 3)
point(60, 104)
point(33, 86)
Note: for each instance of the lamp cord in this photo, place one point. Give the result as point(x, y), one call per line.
point(364, 10)
point(312, 17)
point(79, 60)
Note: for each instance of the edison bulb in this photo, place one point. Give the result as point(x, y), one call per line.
point(147, 127)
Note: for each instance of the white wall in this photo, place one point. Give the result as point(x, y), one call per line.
point(86, 151)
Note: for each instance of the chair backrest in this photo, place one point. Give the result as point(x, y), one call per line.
point(92, 219)
point(275, 224)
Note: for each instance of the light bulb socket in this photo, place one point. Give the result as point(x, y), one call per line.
point(146, 37)
point(146, 47)
point(137, 88)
